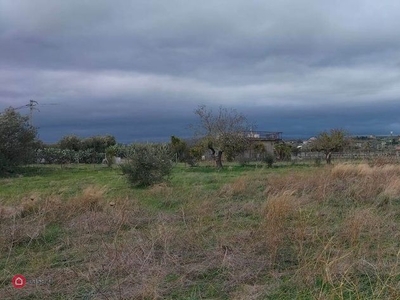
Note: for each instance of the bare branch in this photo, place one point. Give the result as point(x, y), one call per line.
point(222, 130)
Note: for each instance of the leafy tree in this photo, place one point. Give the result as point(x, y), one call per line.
point(328, 142)
point(259, 150)
point(222, 131)
point(196, 150)
point(108, 140)
point(17, 140)
point(179, 148)
point(70, 142)
point(111, 152)
point(99, 143)
point(233, 149)
point(283, 151)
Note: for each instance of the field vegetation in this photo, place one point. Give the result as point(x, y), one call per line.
point(286, 232)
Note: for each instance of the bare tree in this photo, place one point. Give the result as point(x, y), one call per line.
point(223, 131)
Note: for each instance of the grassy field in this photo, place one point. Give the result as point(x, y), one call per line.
point(290, 232)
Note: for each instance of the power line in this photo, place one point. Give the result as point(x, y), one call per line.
point(32, 105)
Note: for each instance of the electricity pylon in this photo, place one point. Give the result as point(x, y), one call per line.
point(32, 106)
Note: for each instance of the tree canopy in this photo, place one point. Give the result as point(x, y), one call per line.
point(223, 131)
point(328, 142)
point(17, 140)
point(99, 144)
point(283, 151)
point(179, 148)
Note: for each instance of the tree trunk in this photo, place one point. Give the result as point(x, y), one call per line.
point(328, 157)
point(218, 159)
point(217, 156)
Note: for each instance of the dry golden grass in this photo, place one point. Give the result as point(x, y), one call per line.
point(392, 188)
point(239, 187)
point(333, 220)
point(279, 212)
point(360, 223)
point(346, 170)
point(91, 199)
point(351, 170)
point(160, 189)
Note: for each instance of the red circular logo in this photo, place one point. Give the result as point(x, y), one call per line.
point(19, 281)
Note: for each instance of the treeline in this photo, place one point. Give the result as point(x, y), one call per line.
point(93, 150)
point(73, 149)
point(222, 135)
point(191, 151)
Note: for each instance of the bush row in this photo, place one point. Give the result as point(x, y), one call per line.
point(64, 156)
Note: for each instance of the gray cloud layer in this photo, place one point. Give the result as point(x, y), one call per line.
point(137, 69)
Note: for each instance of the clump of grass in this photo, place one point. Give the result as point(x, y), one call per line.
point(238, 187)
point(360, 223)
point(392, 189)
point(160, 190)
point(279, 212)
point(347, 170)
point(91, 199)
point(383, 160)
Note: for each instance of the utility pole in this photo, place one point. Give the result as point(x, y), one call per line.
point(32, 106)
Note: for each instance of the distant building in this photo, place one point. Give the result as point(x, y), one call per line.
point(266, 138)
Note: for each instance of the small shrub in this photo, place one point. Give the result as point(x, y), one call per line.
point(269, 159)
point(147, 164)
point(110, 154)
point(90, 200)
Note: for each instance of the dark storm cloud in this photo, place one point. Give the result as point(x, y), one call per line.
point(138, 69)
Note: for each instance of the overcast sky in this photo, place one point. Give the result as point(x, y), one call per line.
point(138, 68)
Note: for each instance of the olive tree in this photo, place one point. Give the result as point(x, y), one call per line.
point(223, 131)
point(328, 142)
point(147, 164)
point(17, 140)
